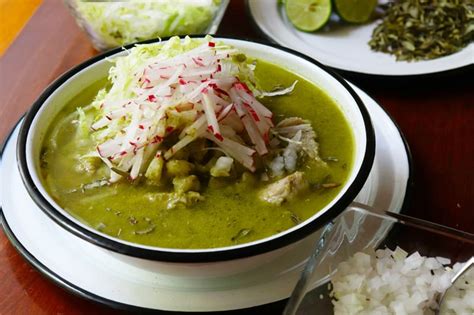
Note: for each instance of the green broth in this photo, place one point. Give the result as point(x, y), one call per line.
point(231, 213)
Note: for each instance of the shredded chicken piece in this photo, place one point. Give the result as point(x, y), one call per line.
point(284, 189)
point(291, 121)
point(297, 139)
point(174, 199)
point(288, 128)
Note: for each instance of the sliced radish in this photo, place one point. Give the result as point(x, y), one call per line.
point(196, 94)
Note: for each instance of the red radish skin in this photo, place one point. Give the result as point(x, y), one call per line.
point(196, 84)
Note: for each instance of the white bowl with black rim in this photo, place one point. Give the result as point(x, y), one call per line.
point(212, 262)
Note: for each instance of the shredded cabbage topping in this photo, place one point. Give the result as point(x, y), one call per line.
point(117, 23)
point(165, 96)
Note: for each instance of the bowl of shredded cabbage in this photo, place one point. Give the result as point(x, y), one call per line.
point(112, 24)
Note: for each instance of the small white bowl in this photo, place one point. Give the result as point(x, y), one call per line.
point(197, 262)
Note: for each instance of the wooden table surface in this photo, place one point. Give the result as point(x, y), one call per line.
point(435, 114)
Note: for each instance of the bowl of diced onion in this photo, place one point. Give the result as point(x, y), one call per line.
point(112, 24)
point(402, 268)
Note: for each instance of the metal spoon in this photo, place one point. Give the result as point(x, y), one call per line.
point(467, 266)
point(301, 287)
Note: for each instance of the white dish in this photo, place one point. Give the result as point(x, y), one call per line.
point(345, 46)
point(92, 272)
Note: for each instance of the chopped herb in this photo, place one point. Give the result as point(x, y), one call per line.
point(43, 158)
point(132, 220)
point(423, 29)
point(324, 183)
point(242, 233)
point(295, 218)
point(145, 231)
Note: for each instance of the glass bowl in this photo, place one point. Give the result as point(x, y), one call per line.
point(360, 230)
point(114, 23)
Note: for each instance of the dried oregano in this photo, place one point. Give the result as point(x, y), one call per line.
point(424, 29)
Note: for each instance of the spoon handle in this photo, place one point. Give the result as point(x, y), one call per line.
point(418, 223)
point(466, 266)
point(301, 286)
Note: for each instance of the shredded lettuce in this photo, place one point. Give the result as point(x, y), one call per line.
point(188, 89)
point(117, 23)
point(124, 74)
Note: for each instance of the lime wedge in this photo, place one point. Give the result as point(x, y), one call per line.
point(308, 15)
point(355, 11)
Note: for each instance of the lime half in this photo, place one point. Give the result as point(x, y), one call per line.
point(308, 15)
point(355, 11)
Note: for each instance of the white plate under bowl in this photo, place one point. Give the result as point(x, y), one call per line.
point(346, 47)
point(89, 271)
